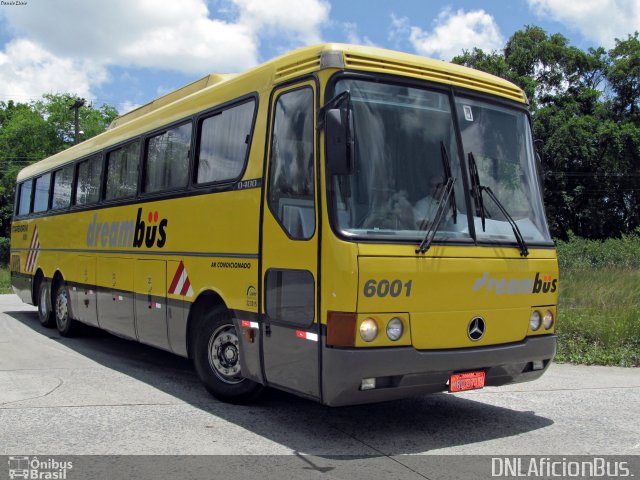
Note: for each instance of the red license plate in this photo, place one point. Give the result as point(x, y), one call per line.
point(459, 382)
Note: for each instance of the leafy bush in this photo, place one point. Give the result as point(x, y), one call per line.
point(5, 249)
point(581, 254)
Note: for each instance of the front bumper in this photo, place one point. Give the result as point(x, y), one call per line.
point(404, 371)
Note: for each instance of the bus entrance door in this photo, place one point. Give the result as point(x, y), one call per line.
point(290, 246)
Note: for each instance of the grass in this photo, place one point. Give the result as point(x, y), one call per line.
point(599, 317)
point(5, 281)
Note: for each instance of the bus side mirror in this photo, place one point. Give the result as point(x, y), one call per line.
point(338, 142)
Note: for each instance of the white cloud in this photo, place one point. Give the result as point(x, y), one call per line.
point(88, 37)
point(299, 19)
point(177, 35)
point(598, 20)
point(453, 32)
point(353, 35)
point(27, 70)
point(127, 106)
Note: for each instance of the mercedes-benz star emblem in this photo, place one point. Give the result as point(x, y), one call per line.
point(476, 328)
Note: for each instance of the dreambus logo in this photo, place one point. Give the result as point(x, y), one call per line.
point(511, 286)
point(148, 231)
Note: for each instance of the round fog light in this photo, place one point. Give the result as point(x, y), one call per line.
point(368, 330)
point(547, 320)
point(394, 329)
point(535, 320)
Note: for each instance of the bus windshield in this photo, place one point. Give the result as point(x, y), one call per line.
point(406, 152)
point(498, 141)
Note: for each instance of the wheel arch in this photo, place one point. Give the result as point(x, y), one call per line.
point(206, 300)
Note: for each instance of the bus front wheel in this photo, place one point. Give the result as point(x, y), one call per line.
point(217, 359)
point(67, 326)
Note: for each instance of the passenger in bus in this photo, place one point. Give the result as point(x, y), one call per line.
point(425, 209)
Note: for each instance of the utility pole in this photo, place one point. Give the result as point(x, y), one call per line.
point(76, 106)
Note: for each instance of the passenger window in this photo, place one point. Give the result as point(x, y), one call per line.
point(167, 159)
point(62, 182)
point(224, 140)
point(291, 191)
point(25, 198)
point(41, 199)
point(89, 179)
point(122, 172)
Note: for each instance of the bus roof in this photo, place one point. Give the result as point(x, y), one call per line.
point(215, 88)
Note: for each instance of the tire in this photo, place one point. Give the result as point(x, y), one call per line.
point(217, 359)
point(45, 313)
point(67, 326)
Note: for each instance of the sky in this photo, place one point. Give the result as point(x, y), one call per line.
point(125, 53)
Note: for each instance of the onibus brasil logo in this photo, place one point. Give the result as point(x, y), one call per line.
point(145, 231)
point(38, 468)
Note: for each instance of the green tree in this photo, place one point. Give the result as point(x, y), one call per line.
point(590, 140)
point(31, 132)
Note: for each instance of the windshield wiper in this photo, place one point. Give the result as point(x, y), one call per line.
point(476, 192)
point(433, 228)
point(477, 189)
point(524, 251)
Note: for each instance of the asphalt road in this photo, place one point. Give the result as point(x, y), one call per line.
point(102, 395)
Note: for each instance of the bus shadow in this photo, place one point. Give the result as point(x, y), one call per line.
point(414, 425)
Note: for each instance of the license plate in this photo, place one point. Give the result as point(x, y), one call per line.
point(459, 382)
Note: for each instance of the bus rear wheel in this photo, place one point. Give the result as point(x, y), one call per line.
point(45, 314)
point(217, 359)
point(67, 326)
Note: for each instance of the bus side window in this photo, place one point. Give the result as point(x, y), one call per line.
point(89, 178)
point(167, 159)
point(62, 182)
point(122, 172)
point(24, 202)
point(224, 143)
point(291, 190)
point(41, 198)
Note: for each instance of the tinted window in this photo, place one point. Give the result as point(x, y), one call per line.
point(62, 181)
point(122, 172)
point(290, 194)
point(41, 199)
point(25, 198)
point(89, 179)
point(290, 296)
point(224, 139)
point(168, 159)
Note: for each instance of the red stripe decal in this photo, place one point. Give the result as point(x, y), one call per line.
point(185, 287)
point(176, 278)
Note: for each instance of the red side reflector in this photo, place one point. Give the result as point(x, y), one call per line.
point(459, 382)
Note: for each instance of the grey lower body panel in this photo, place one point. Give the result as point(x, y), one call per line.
point(404, 371)
point(22, 285)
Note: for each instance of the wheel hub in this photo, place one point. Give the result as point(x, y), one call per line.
point(224, 354)
point(62, 308)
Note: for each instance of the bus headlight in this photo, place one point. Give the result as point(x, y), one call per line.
point(368, 330)
point(395, 329)
point(547, 320)
point(535, 320)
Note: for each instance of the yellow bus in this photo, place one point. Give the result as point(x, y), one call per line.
point(345, 223)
